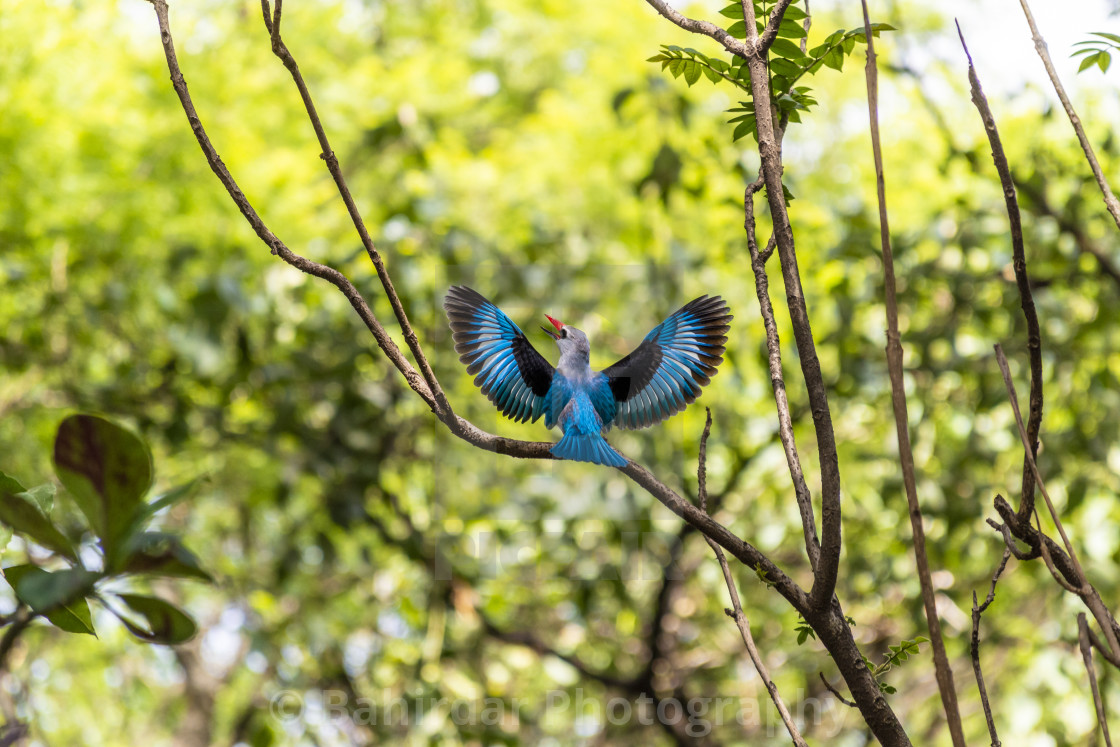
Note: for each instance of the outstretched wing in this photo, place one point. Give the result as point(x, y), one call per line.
point(510, 372)
point(665, 373)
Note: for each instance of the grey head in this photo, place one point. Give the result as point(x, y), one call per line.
point(575, 350)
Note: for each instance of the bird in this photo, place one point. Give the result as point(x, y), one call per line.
point(661, 377)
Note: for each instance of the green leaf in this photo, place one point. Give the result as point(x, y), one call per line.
point(107, 469)
point(24, 512)
point(1088, 62)
point(786, 48)
point(802, 636)
point(712, 75)
point(792, 30)
point(160, 554)
point(692, 72)
point(784, 67)
point(793, 13)
point(1104, 59)
point(165, 500)
point(738, 30)
point(1106, 35)
point(166, 623)
point(735, 10)
point(743, 129)
point(58, 596)
point(834, 59)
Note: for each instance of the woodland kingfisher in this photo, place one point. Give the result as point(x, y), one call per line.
point(657, 380)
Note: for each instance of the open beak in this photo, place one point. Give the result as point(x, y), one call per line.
point(559, 326)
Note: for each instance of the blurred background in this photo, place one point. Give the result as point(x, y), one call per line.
point(365, 558)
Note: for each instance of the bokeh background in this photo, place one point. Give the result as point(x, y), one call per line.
point(527, 149)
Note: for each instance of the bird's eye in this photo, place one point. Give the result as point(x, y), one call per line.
point(563, 333)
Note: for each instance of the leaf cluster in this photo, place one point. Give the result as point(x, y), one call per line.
point(788, 64)
point(107, 471)
point(1097, 51)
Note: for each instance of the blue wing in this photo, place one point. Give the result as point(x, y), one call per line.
point(510, 372)
point(665, 373)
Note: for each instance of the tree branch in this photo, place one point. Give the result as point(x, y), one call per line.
point(769, 148)
point(1019, 262)
point(328, 156)
point(1110, 201)
point(1087, 656)
point(977, 611)
point(942, 667)
point(736, 612)
point(1082, 587)
point(705, 28)
point(777, 380)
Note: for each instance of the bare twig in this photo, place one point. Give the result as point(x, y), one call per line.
point(824, 579)
point(1082, 588)
point(1019, 262)
point(777, 380)
point(460, 427)
point(281, 50)
point(1087, 655)
point(977, 611)
point(736, 612)
point(1110, 200)
point(942, 667)
point(705, 28)
point(836, 692)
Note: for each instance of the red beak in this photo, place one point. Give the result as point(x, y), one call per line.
point(559, 326)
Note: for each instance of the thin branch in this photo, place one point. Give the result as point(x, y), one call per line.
point(777, 380)
point(977, 611)
point(836, 692)
point(23, 618)
point(736, 612)
point(942, 667)
point(1019, 262)
point(464, 429)
point(1087, 655)
point(769, 149)
point(384, 341)
point(1083, 588)
point(770, 33)
point(1110, 200)
point(705, 28)
point(331, 160)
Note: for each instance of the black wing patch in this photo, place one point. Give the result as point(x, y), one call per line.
point(506, 367)
point(666, 372)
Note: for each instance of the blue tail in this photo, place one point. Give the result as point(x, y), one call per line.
point(587, 447)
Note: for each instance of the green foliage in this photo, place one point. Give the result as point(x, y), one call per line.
point(788, 64)
point(895, 656)
point(107, 470)
point(1097, 51)
point(590, 185)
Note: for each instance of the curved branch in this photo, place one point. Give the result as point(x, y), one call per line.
point(943, 669)
point(1110, 200)
point(328, 156)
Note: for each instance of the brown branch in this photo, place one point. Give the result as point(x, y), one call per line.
point(777, 380)
point(331, 160)
point(1082, 587)
point(1110, 201)
point(1087, 656)
point(736, 612)
point(942, 668)
point(977, 611)
point(22, 618)
point(384, 341)
point(836, 692)
point(769, 148)
point(743, 551)
point(704, 28)
point(1019, 262)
